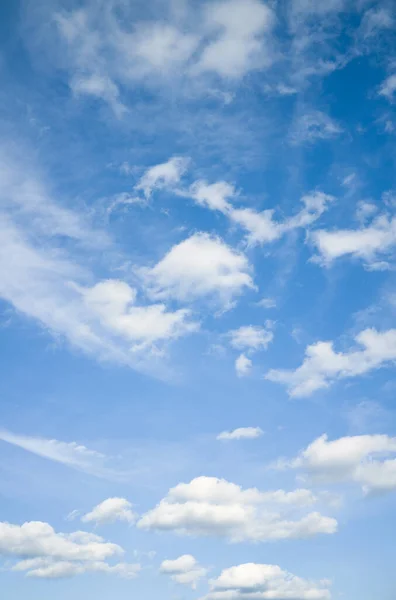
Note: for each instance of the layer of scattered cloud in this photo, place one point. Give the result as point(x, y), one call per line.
point(252, 581)
point(109, 511)
point(45, 278)
point(185, 570)
point(108, 54)
point(208, 506)
point(360, 459)
point(241, 433)
point(200, 266)
point(322, 365)
point(47, 554)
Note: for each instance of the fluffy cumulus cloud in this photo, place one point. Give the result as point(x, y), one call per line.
point(208, 506)
point(373, 244)
point(200, 266)
point(48, 554)
point(363, 459)
point(243, 365)
point(322, 365)
point(110, 510)
point(185, 570)
point(241, 433)
point(252, 581)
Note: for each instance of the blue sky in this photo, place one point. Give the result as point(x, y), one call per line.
point(197, 298)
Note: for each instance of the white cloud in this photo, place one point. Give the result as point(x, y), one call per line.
point(185, 570)
point(252, 337)
point(44, 281)
point(38, 539)
point(71, 454)
point(369, 243)
point(313, 126)
point(241, 433)
point(388, 87)
point(106, 53)
point(362, 459)
point(238, 45)
point(322, 365)
point(252, 581)
point(202, 265)
point(109, 511)
point(208, 506)
point(113, 303)
point(243, 365)
point(267, 303)
point(261, 227)
point(164, 175)
point(99, 86)
point(47, 568)
point(375, 20)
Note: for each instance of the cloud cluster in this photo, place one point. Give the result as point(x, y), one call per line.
point(43, 276)
point(185, 570)
point(108, 53)
point(47, 554)
point(322, 365)
point(208, 506)
point(252, 581)
point(361, 459)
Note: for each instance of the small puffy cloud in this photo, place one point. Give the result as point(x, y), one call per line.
point(362, 459)
point(243, 365)
point(375, 20)
point(371, 243)
point(200, 266)
point(388, 87)
point(252, 337)
point(162, 176)
point(241, 433)
point(208, 506)
point(185, 570)
point(110, 510)
point(252, 581)
point(314, 126)
point(322, 365)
